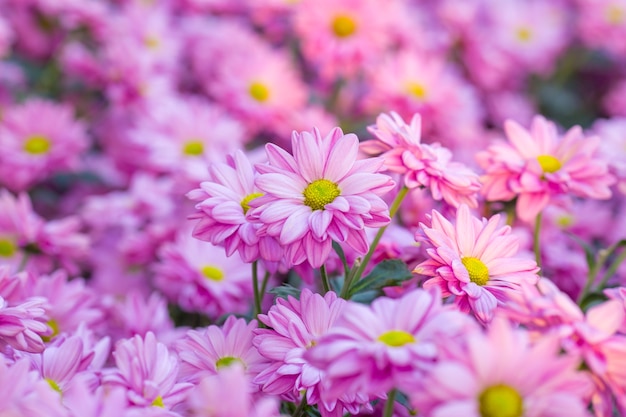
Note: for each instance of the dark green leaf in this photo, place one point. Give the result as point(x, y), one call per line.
point(286, 290)
point(388, 273)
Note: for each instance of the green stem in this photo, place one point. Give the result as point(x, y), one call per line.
point(255, 285)
point(325, 281)
point(611, 270)
point(266, 279)
point(345, 291)
point(300, 410)
point(391, 398)
point(23, 262)
point(594, 269)
point(537, 240)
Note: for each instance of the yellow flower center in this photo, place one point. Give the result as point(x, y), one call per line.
point(396, 338)
point(227, 361)
point(615, 14)
point(549, 163)
point(193, 148)
point(259, 92)
point(54, 385)
point(152, 42)
point(158, 402)
point(7, 248)
point(319, 193)
point(524, 34)
point(565, 221)
point(500, 401)
point(245, 203)
point(37, 145)
point(477, 270)
point(417, 90)
point(54, 325)
point(213, 273)
point(343, 26)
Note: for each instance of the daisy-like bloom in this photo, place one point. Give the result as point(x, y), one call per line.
point(22, 325)
point(422, 165)
point(319, 194)
point(222, 211)
point(473, 260)
point(296, 326)
point(148, 372)
point(206, 352)
point(502, 373)
point(602, 23)
point(372, 349)
point(31, 151)
point(613, 145)
point(538, 164)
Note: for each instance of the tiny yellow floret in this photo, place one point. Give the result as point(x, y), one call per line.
point(245, 203)
point(259, 92)
point(319, 193)
point(500, 401)
point(213, 273)
point(549, 163)
point(193, 148)
point(37, 145)
point(7, 248)
point(343, 26)
point(477, 270)
point(396, 338)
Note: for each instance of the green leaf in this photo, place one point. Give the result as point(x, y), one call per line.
point(590, 254)
point(339, 250)
point(388, 273)
point(286, 290)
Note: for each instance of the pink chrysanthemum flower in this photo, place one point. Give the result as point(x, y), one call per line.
point(422, 165)
point(148, 371)
point(23, 325)
point(31, 151)
point(503, 374)
point(537, 164)
point(474, 260)
point(296, 326)
point(205, 352)
point(223, 205)
point(320, 194)
point(372, 349)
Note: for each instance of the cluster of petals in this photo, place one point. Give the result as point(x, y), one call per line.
point(320, 194)
point(473, 260)
point(422, 165)
point(538, 164)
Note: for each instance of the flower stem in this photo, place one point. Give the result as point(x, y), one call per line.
point(391, 399)
point(325, 281)
point(345, 291)
point(611, 270)
point(255, 285)
point(537, 241)
point(300, 410)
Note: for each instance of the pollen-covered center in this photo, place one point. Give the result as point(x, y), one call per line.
point(37, 145)
point(615, 14)
point(54, 325)
point(549, 163)
point(477, 270)
point(417, 90)
point(53, 384)
point(245, 203)
point(343, 26)
point(319, 193)
point(193, 148)
point(227, 361)
point(7, 248)
point(158, 402)
point(500, 401)
point(524, 34)
point(259, 92)
point(396, 338)
point(213, 273)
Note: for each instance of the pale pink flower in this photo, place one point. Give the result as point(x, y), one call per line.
point(422, 165)
point(602, 23)
point(22, 325)
point(223, 203)
point(473, 260)
point(503, 373)
point(613, 146)
point(205, 352)
point(29, 152)
point(319, 194)
point(538, 164)
point(614, 101)
point(390, 344)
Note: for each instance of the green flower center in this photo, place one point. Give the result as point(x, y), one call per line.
point(158, 402)
point(549, 163)
point(319, 193)
point(343, 26)
point(193, 148)
point(477, 270)
point(417, 90)
point(37, 145)
point(500, 401)
point(259, 92)
point(7, 248)
point(396, 338)
point(227, 361)
point(213, 273)
point(245, 203)
point(54, 325)
point(53, 384)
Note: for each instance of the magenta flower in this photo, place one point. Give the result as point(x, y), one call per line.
point(148, 371)
point(474, 260)
point(538, 164)
point(372, 349)
point(23, 325)
point(320, 194)
point(422, 165)
point(502, 373)
point(223, 206)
